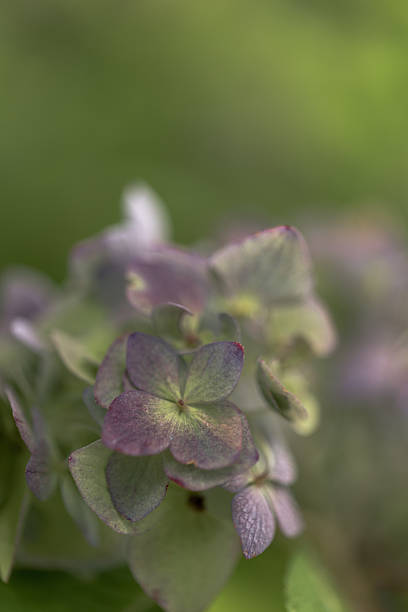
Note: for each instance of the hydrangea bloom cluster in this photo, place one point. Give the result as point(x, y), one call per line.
point(153, 391)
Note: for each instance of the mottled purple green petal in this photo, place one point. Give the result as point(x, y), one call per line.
point(286, 511)
point(81, 514)
point(214, 372)
point(40, 475)
point(308, 320)
point(168, 275)
point(279, 398)
point(138, 423)
point(253, 520)
point(154, 366)
point(21, 420)
point(273, 265)
point(88, 465)
point(196, 479)
point(109, 379)
point(183, 554)
point(209, 437)
point(137, 484)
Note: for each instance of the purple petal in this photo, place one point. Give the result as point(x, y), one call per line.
point(137, 485)
point(286, 511)
point(214, 372)
point(40, 475)
point(154, 366)
point(253, 520)
point(196, 479)
point(20, 420)
point(109, 379)
point(168, 275)
point(208, 437)
point(138, 423)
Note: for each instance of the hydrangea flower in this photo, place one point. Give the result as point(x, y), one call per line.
point(262, 496)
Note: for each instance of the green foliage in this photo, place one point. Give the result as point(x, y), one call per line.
point(309, 588)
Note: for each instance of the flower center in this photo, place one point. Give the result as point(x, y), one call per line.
point(181, 405)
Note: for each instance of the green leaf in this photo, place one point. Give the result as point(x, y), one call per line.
point(12, 513)
point(183, 555)
point(137, 484)
point(309, 321)
point(79, 511)
point(276, 395)
point(309, 589)
point(52, 591)
point(76, 356)
point(88, 465)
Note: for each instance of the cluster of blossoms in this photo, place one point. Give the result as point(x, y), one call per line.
point(177, 374)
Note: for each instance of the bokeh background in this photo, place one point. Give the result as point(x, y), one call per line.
point(280, 111)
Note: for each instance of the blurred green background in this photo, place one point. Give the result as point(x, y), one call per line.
point(277, 108)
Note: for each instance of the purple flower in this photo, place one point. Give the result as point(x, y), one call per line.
point(262, 498)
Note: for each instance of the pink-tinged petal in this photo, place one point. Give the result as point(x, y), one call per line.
point(168, 275)
point(196, 479)
point(279, 464)
point(154, 366)
point(109, 379)
point(137, 485)
point(286, 510)
point(21, 420)
point(253, 520)
point(214, 372)
point(209, 437)
point(273, 265)
point(138, 423)
point(41, 478)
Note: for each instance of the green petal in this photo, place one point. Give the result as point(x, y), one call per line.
point(87, 467)
point(214, 372)
point(167, 320)
point(183, 555)
point(137, 484)
point(309, 321)
point(196, 479)
point(109, 379)
point(208, 437)
point(272, 265)
point(76, 356)
point(79, 511)
point(279, 398)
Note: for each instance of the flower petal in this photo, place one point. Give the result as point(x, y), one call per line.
point(214, 372)
point(196, 479)
point(208, 437)
point(273, 265)
point(154, 366)
point(277, 396)
point(137, 484)
point(87, 467)
point(309, 321)
point(253, 520)
point(168, 275)
point(138, 423)
point(286, 511)
point(109, 378)
point(21, 420)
